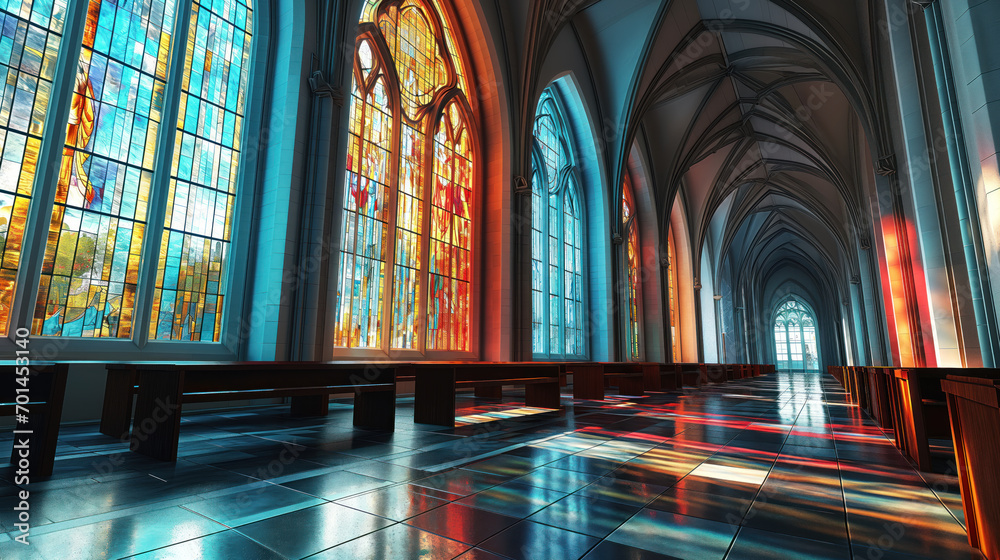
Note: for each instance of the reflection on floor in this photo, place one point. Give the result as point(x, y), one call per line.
point(774, 467)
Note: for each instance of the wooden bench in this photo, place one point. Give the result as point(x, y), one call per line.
point(664, 377)
point(854, 377)
point(591, 379)
point(691, 374)
point(837, 372)
point(437, 384)
point(164, 388)
point(713, 373)
point(46, 388)
point(120, 388)
point(922, 410)
point(584, 374)
point(629, 383)
point(882, 406)
point(974, 410)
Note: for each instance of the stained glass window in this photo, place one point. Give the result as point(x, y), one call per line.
point(30, 35)
point(674, 301)
point(406, 259)
point(92, 264)
point(190, 278)
point(451, 229)
point(633, 287)
point(795, 338)
point(557, 238)
point(91, 268)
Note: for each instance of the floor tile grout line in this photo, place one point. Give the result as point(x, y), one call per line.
point(759, 489)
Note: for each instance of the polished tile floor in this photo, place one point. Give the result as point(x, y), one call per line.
point(775, 467)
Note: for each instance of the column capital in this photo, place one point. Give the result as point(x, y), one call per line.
point(886, 165)
point(521, 185)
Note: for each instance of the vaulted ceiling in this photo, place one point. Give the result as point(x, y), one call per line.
point(758, 117)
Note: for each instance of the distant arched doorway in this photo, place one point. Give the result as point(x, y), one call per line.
point(795, 341)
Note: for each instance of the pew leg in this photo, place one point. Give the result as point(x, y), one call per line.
point(668, 382)
point(542, 395)
point(116, 414)
point(43, 424)
point(489, 392)
point(311, 405)
point(434, 397)
point(652, 379)
point(157, 422)
point(377, 409)
point(588, 383)
point(631, 386)
point(37, 444)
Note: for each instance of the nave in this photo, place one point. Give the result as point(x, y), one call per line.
point(778, 466)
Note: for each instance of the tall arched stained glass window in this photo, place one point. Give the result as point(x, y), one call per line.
point(190, 278)
point(795, 342)
point(672, 285)
point(557, 238)
point(407, 233)
point(30, 35)
point(91, 269)
point(92, 266)
point(633, 275)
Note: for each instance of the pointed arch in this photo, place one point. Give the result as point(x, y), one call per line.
point(559, 292)
point(406, 268)
point(795, 337)
point(685, 339)
point(632, 273)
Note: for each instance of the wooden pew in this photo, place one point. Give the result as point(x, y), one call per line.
point(120, 386)
point(858, 389)
point(837, 372)
point(691, 374)
point(974, 410)
point(630, 377)
point(437, 383)
point(921, 406)
point(46, 388)
point(165, 388)
point(664, 377)
point(883, 407)
point(713, 373)
point(590, 379)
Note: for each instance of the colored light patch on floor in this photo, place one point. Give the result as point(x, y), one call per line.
point(481, 414)
point(771, 467)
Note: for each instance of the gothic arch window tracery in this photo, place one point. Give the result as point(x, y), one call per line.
point(632, 273)
point(558, 289)
point(795, 341)
point(406, 274)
